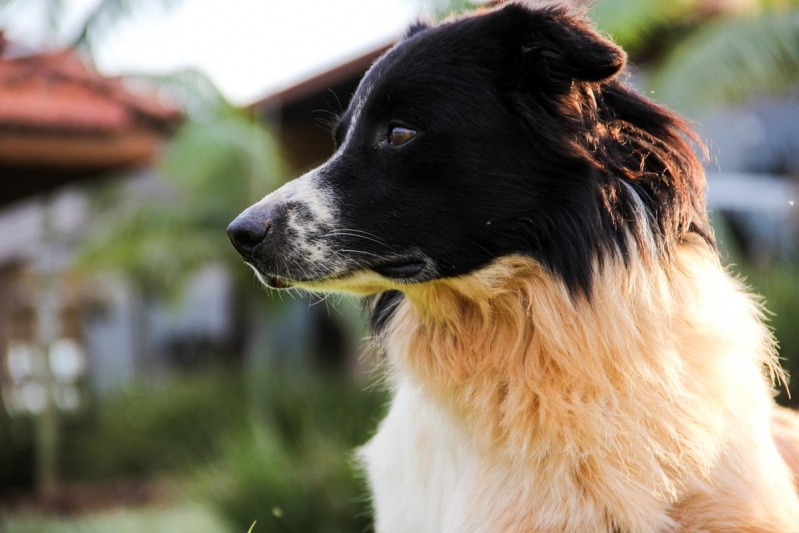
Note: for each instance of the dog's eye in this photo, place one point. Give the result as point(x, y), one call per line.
point(399, 135)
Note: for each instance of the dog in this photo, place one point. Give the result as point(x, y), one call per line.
point(565, 350)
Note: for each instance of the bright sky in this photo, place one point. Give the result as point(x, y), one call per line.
point(250, 48)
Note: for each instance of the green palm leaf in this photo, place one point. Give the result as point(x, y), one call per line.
point(632, 22)
point(729, 60)
point(212, 169)
point(220, 161)
point(108, 13)
point(189, 88)
point(102, 18)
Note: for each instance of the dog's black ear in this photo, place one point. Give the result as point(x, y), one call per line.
point(417, 27)
point(553, 46)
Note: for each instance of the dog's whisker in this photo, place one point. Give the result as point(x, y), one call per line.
point(348, 234)
point(362, 232)
point(361, 252)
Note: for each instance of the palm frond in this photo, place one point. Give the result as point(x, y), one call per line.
point(211, 170)
point(108, 13)
point(631, 22)
point(156, 245)
point(189, 88)
point(228, 160)
point(729, 60)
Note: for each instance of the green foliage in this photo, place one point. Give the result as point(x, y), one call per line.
point(106, 14)
point(701, 57)
point(16, 451)
point(780, 288)
point(188, 88)
point(223, 161)
point(276, 447)
point(152, 428)
point(102, 18)
point(726, 59)
point(217, 164)
point(729, 60)
point(292, 469)
point(633, 22)
point(443, 8)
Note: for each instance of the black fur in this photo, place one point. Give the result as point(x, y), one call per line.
point(381, 307)
point(417, 27)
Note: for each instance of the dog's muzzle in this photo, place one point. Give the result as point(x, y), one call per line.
point(293, 237)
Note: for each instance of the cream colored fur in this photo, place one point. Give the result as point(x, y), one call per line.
point(519, 408)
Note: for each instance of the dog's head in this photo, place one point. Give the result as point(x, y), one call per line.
point(494, 134)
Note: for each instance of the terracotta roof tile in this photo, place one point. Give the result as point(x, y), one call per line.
point(57, 92)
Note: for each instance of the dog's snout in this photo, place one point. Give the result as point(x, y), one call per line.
point(246, 232)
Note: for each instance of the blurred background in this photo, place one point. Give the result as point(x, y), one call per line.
point(147, 382)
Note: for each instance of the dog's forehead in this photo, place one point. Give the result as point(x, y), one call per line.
point(373, 87)
point(424, 62)
point(379, 74)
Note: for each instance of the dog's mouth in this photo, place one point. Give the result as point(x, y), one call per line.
point(402, 270)
point(276, 282)
point(406, 269)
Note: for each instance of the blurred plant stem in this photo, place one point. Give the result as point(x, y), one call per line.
point(47, 330)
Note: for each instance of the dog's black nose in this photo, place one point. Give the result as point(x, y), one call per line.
point(247, 232)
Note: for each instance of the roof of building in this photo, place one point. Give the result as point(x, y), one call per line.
point(317, 92)
point(58, 92)
point(61, 121)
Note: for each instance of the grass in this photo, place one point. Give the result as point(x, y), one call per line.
point(183, 517)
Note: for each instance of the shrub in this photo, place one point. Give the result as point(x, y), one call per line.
point(153, 428)
point(276, 447)
point(291, 468)
point(780, 288)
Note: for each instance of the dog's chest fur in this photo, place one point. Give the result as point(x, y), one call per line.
point(421, 468)
point(429, 475)
point(636, 414)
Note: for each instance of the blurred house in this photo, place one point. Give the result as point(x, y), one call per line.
point(753, 176)
point(61, 124)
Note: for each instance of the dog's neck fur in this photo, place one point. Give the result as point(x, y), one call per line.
point(565, 387)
